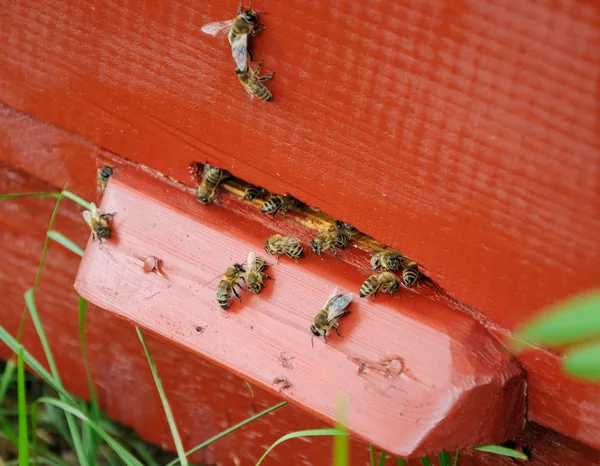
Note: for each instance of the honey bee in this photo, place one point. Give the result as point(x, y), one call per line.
point(387, 260)
point(227, 285)
point(245, 23)
point(330, 240)
point(211, 177)
point(252, 192)
point(332, 311)
point(410, 273)
point(278, 245)
point(103, 175)
point(345, 228)
point(253, 84)
point(385, 281)
point(276, 204)
point(98, 223)
point(255, 275)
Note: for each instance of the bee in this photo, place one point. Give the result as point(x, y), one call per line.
point(103, 175)
point(385, 281)
point(253, 84)
point(276, 204)
point(345, 228)
point(245, 23)
point(252, 192)
point(211, 177)
point(227, 285)
point(330, 240)
point(98, 223)
point(254, 277)
point(387, 260)
point(332, 311)
point(278, 245)
point(410, 273)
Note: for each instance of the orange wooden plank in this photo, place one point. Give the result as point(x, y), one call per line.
point(449, 368)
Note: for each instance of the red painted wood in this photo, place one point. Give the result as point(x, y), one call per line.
point(454, 385)
point(554, 399)
point(205, 399)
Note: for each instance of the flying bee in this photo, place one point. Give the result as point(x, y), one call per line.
point(211, 177)
point(252, 192)
point(332, 311)
point(276, 204)
point(244, 24)
point(98, 223)
point(256, 272)
point(387, 260)
point(330, 240)
point(253, 84)
point(410, 273)
point(226, 288)
point(385, 281)
point(103, 175)
point(278, 245)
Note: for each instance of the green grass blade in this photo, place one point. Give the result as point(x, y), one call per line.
point(7, 378)
point(15, 346)
point(229, 430)
point(584, 361)
point(372, 454)
point(341, 442)
point(22, 401)
point(142, 452)
point(456, 459)
point(65, 242)
point(18, 195)
point(127, 457)
point(400, 462)
point(498, 450)
point(73, 429)
point(426, 461)
point(74, 197)
point(444, 459)
point(92, 440)
point(382, 458)
point(569, 321)
point(302, 433)
point(165, 402)
point(37, 460)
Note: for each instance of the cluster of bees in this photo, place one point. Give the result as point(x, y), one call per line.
point(238, 30)
point(386, 263)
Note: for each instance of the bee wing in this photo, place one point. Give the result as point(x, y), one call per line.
point(239, 51)
point(337, 303)
point(87, 216)
point(251, 261)
point(214, 28)
point(289, 241)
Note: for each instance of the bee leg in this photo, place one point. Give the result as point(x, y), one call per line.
point(325, 337)
point(251, 55)
point(243, 279)
point(334, 251)
point(266, 276)
point(236, 294)
point(218, 198)
point(337, 330)
point(256, 71)
point(241, 8)
point(266, 77)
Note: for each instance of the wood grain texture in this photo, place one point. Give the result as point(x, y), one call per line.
point(405, 365)
point(553, 399)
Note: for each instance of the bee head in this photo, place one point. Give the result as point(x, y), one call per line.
point(315, 330)
point(106, 172)
point(254, 288)
point(103, 233)
point(238, 267)
point(315, 247)
point(250, 16)
point(375, 261)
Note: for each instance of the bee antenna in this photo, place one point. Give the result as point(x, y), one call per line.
point(312, 341)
